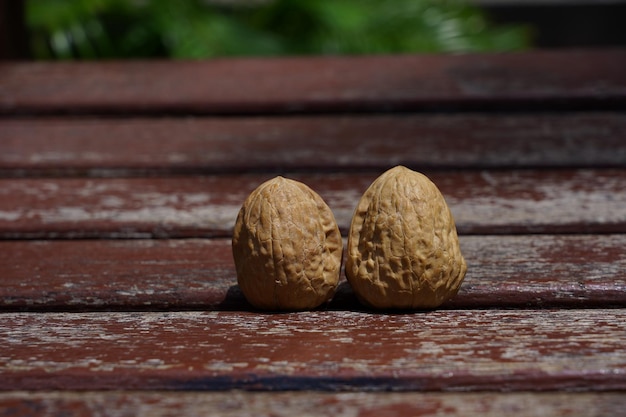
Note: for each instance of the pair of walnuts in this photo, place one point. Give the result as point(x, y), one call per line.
point(403, 250)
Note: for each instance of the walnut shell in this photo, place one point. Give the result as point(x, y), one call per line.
point(287, 247)
point(403, 249)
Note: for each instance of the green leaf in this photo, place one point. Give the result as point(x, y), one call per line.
point(88, 29)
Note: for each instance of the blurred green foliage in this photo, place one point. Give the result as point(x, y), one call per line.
point(97, 29)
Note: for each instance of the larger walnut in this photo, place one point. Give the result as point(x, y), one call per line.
point(287, 247)
point(403, 249)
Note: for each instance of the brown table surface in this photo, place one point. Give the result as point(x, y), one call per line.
point(120, 183)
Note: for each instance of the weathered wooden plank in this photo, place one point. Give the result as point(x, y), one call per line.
point(504, 272)
point(175, 145)
point(535, 79)
point(578, 201)
point(305, 404)
point(324, 350)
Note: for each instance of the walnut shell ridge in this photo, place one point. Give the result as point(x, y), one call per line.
point(287, 247)
point(403, 248)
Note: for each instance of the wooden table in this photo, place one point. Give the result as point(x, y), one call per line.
point(120, 183)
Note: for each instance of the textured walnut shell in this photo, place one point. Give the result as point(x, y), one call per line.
point(403, 249)
point(287, 247)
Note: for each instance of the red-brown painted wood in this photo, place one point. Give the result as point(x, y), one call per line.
point(573, 201)
point(543, 306)
point(306, 404)
point(534, 80)
point(326, 350)
point(503, 272)
point(109, 147)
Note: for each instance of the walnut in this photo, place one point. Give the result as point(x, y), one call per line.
point(403, 249)
point(287, 247)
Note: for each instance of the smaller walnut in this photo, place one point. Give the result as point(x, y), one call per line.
point(403, 249)
point(287, 247)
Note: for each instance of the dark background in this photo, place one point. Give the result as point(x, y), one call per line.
point(551, 23)
point(563, 23)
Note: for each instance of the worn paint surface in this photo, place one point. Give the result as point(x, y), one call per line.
point(541, 309)
point(136, 146)
point(440, 350)
point(504, 272)
point(536, 79)
point(481, 201)
point(305, 404)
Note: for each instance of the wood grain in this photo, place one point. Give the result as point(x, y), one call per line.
point(532, 80)
point(522, 201)
point(144, 146)
point(504, 272)
point(120, 183)
point(326, 350)
point(306, 404)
